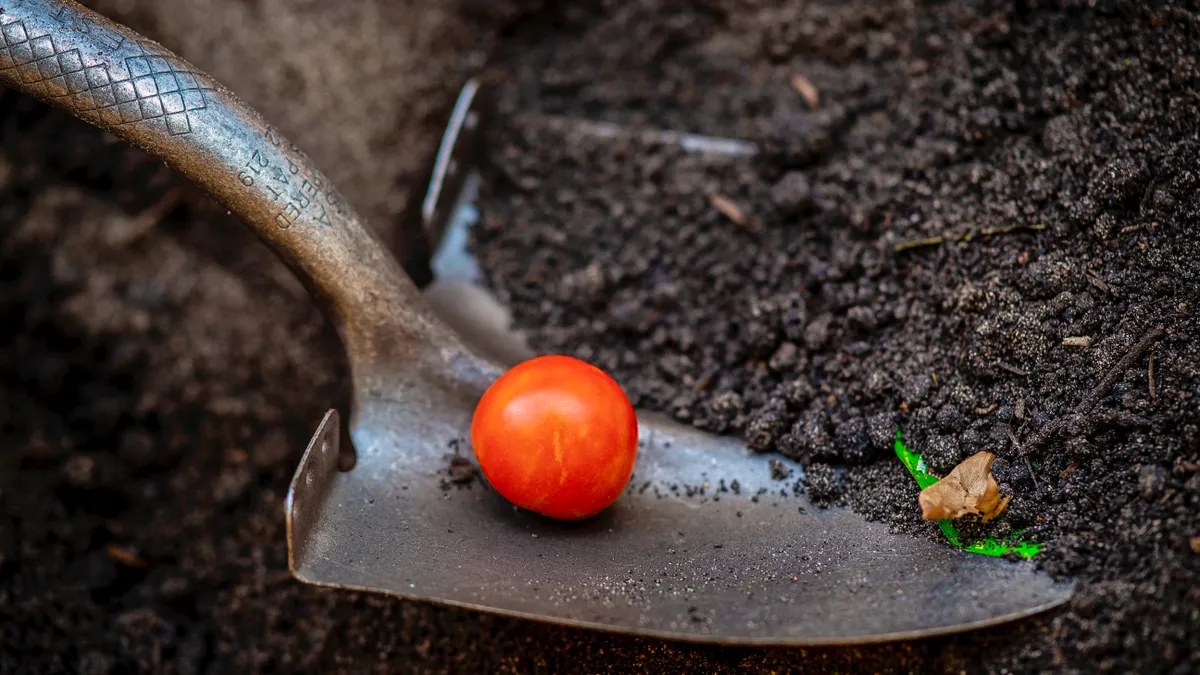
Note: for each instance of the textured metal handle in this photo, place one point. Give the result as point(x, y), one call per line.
point(75, 59)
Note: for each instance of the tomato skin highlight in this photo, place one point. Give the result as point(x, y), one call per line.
point(557, 436)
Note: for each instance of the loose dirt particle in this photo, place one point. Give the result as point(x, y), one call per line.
point(778, 470)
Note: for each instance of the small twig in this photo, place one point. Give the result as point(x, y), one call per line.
point(966, 236)
point(1038, 227)
point(731, 210)
point(930, 241)
point(705, 381)
point(1115, 373)
point(1050, 429)
point(1089, 402)
point(807, 91)
point(1150, 379)
point(1012, 438)
point(1099, 283)
point(1028, 418)
point(124, 556)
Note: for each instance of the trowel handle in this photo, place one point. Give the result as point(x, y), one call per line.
point(106, 74)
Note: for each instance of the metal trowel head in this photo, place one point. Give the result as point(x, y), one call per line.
point(704, 545)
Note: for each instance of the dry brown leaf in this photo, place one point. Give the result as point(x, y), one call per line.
point(969, 488)
point(807, 91)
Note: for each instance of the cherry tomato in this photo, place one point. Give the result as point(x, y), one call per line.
point(557, 436)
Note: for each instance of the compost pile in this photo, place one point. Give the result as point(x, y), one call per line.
point(160, 371)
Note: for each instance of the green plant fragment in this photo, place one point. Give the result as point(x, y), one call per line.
point(990, 546)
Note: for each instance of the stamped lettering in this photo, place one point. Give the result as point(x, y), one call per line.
point(295, 192)
point(287, 216)
point(253, 167)
point(323, 218)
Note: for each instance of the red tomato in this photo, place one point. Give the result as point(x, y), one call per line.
point(557, 436)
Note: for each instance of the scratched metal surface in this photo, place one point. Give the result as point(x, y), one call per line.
point(677, 556)
point(703, 546)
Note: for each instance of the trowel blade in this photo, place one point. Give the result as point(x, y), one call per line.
point(703, 546)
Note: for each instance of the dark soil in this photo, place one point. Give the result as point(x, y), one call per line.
point(978, 182)
point(160, 371)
